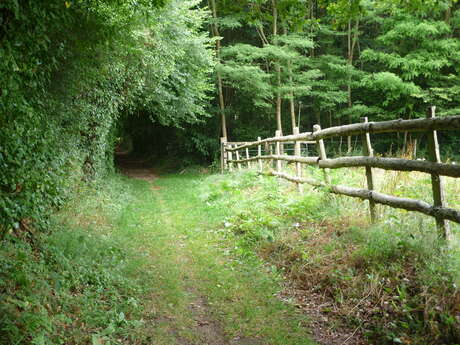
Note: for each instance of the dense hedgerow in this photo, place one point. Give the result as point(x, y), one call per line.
point(68, 70)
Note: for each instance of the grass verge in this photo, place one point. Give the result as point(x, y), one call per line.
point(393, 282)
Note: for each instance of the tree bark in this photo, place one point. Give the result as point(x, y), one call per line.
point(311, 8)
point(215, 29)
point(352, 39)
point(278, 71)
point(291, 93)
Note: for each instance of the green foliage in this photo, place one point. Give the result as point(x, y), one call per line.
point(177, 79)
point(322, 242)
point(72, 285)
point(405, 58)
point(395, 90)
point(424, 56)
point(68, 71)
point(252, 69)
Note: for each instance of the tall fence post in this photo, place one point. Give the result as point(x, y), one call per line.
point(298, 165)
point(223, 142)
point(278, 151)
point(259, 154)
point(369, 151)
point(437, 182)
point(322, 153)
point(238, 164)
point(247, 157)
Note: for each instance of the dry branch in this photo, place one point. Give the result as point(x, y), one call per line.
point(295, 179)
point(416, 125)
point(304, 138)
point(396, 202)
point(292, 159)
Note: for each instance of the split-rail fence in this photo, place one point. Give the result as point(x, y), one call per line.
point(236, 154)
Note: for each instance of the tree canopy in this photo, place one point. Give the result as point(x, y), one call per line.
point(338, 59)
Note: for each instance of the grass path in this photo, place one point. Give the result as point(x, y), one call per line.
point(201, 294)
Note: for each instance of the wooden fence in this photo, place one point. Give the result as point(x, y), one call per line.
point(235, 154)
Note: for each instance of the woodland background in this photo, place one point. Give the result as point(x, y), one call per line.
point(80, 77)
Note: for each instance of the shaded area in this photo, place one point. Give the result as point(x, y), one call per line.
point(134, 167)
point(188, 145)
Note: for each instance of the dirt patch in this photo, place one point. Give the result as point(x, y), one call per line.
point(326, 328)
point(307, 285)
point(209, 330)
point(140, 174)
point(137, 168)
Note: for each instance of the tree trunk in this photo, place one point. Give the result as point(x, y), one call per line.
point(278, 103)
point(351, 40)
point(311, 8)
point(318, 117)
point(292, 107)
point(278, 71)
point(291, 93)
point(215, 28)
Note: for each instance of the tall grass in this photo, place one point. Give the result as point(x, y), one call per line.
point(395, 280)
point(77, 283)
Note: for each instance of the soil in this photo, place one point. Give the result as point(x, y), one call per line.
point(211, 330)
point(325, 326)
point(133, 167)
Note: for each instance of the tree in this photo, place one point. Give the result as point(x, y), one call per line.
point(215, 31)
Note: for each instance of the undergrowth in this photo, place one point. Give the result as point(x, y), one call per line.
point(74, 284)
point(394, 281)
point(93, 278)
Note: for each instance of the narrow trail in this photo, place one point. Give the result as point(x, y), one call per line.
point(135, 167)
point(201, 296)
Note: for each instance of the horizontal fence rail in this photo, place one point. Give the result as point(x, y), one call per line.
point(235, 154)
point(415, 125)
point(397, 164)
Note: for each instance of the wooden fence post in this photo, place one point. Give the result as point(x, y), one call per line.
point(259, 153)
point(298, 165)
point(268, 151)
point(270, 147)
point(368, 151)
point(229, 159)
point(223, 142)
point(247, 157)
point(322, 153)
point(437, 182)
point(278, 151)
point(238, 158)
